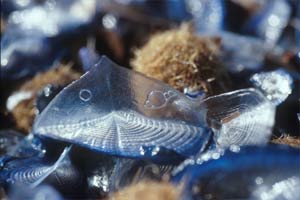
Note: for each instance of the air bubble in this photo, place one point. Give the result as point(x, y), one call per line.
point(155, 100)
point(169, 94)
point(158, 99)
point(85, 95)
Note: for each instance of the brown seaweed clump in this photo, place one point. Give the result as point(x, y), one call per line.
point(183, 60)
point(24, 112)
point(148, 190)
point(288, 140)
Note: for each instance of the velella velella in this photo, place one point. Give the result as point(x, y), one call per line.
point(15, 145)
point(18, 54)
point(8, 6)
point(121, 118)
point(8, 141)
point(34, 35)
point(36, 170)
point(276, 85)
point(126, 129)
point(53, 17)
point(270, 21)
point(240, 117)
point(242, 53)
point(44, 192)
point(170, 10)
point(208, 15)
point(30, 171)
point(247, 173)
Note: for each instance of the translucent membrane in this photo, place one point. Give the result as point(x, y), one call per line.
point(118, 111)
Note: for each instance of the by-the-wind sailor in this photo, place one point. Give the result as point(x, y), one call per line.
point(36, 170)
point(24, 54)
point(53, 17)
point(33, 36)
point(277, 85)
point(241, 53)
point(270, 21)
point(9, 140)
point(8, 6)
point(240, 117)
point(13, 145)
point(208, 14)
point(271, 172)
point(118, 111)
point(174, 10)
point(43, 192)
point(16, 145)
point(30, 171)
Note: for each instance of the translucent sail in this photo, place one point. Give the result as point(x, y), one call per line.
point(118, 111)
point(241, 117)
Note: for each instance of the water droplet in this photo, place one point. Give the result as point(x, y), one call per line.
point(130, 117)
point(155, 151)
point(234, 148)
point(109, 21)
point(142, 151)
point(259, 180)
point(216, 155)
point(4, 62)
